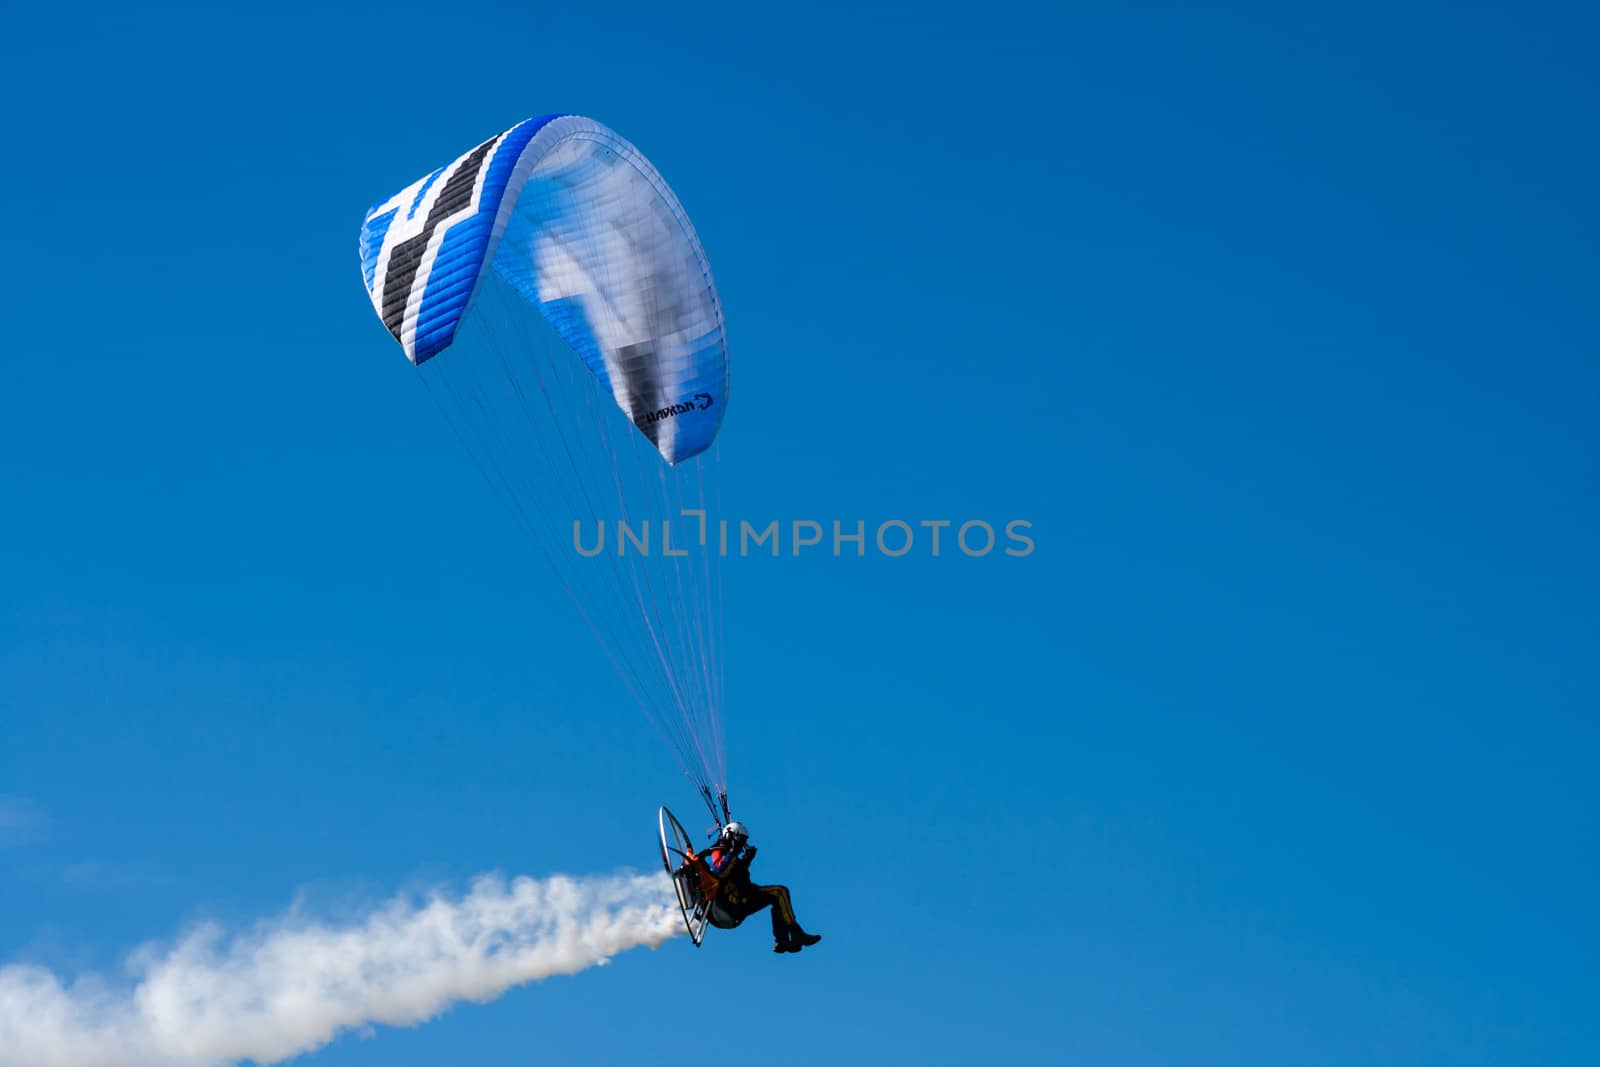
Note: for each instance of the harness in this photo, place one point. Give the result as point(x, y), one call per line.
point(710, 885)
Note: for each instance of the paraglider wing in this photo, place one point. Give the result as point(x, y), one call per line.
point(585, 229)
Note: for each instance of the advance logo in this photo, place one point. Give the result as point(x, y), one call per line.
point(698, 402)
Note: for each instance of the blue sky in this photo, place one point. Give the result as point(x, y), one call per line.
point(1278, 325)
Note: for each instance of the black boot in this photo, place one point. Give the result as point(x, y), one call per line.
point(800, 939)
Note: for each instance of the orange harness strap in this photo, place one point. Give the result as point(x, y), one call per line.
point(709, 883)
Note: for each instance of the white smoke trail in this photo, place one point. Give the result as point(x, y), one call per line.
point(292, 984)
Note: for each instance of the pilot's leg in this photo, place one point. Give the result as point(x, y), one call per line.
point(777, 897)
point(756, 897)
point(786, 933)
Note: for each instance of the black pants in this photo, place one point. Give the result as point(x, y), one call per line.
point(744, 901)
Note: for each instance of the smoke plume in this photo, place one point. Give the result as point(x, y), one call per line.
point(291, 984)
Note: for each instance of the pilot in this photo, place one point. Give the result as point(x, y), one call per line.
point(737, 898)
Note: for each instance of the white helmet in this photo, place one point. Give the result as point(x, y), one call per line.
point(735, 829)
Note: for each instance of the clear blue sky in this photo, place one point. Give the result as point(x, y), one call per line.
point(1280, 326)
